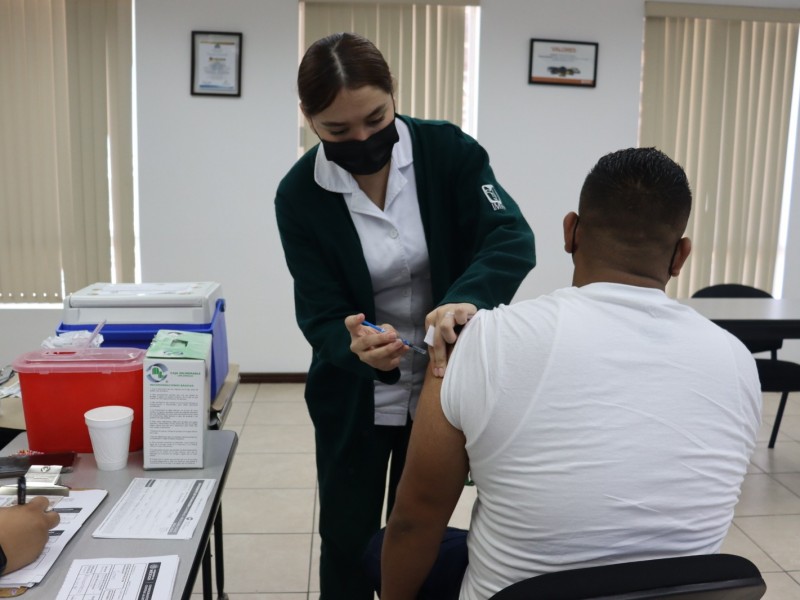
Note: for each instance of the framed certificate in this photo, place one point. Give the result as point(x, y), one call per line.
point(216, 63)
point(557, 62)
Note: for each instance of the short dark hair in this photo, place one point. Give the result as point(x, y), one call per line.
point(338, 61)
point(637, 194)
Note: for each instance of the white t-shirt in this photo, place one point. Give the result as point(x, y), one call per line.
point(603, 423)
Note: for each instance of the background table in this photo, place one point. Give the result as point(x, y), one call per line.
point(219, 451)
point(751, 317)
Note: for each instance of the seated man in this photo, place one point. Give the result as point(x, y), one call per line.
point(601, 423)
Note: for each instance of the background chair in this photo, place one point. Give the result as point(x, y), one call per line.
point(702, 577)
point(776, 375)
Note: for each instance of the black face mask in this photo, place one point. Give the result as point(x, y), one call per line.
point(363, 157)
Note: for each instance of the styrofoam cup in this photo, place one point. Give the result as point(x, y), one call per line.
point(110, 432)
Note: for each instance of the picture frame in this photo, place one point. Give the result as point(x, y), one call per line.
point(216, 64)
point(562, 62)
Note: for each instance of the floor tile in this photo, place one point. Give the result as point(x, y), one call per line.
point(235, 428)
point(771, 402)
point(279, 413)
point(276, 438)
point(790, 425)
point(780, 586)
point(736, 542)
point(783, 458)
point(763, 495)
point(280, 392)
point(313, 580)
point(245, 392)
point(273, 471)
point(790, 480)
point(238, 413)
point(268, 510)
point(777, 535)
point(462, 514)
point(276, 563)
point(316, 510)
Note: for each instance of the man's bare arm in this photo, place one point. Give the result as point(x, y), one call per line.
point(432, 481)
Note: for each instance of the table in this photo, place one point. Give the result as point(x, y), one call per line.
point(216, 419)
point(12, 419)
point(221, 405)
point(219, 452)
point(751, 317)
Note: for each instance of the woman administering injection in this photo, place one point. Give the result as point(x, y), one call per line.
point(396, 220)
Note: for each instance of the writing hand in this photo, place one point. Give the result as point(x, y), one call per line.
point(23, 531)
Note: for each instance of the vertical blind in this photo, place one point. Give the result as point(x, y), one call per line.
point(423, 44)
point(66, 175)
point(717, 92)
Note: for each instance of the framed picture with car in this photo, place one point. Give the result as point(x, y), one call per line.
point(560, 62)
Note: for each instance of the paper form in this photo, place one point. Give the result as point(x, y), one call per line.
point(120, 578)
point(73, 511)
point(157, 509)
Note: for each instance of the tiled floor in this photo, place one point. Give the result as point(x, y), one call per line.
point(270, 504)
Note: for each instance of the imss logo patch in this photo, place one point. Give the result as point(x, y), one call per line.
point(493, 197)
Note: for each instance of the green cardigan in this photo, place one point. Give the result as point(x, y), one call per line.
point(479, 253)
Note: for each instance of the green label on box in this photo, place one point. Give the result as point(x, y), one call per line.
point(169, 343)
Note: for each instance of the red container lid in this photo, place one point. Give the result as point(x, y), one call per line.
point(80, 360)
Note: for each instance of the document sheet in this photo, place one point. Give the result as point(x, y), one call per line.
point(120, 578)
point(73, 511)
point(157, 509)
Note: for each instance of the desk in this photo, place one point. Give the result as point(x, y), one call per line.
point(13, 418)
point(751, 317)
point(221, 405)
point(219, 451)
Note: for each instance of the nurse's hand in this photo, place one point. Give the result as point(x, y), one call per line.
point(381, 351)
point(445, 319)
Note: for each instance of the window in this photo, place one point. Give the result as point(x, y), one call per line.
point(717, 97)
point(66, 176)
point(431, 49)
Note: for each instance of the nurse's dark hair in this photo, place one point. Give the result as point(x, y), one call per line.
point(338, 61)
point(637, 195)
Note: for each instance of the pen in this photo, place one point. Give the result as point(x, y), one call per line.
point(414, 347)
point(21, 489)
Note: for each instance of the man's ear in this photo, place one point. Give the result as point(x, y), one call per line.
point(570, 231)
point(682, 251)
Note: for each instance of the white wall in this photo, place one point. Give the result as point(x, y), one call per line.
point(543, 139)
point(209, 167)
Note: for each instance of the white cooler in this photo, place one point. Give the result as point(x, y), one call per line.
point(134, 312)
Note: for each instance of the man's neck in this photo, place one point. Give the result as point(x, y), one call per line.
point(581, 277)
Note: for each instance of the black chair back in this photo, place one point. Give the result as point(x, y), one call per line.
point(737, 290)
point(702, 577)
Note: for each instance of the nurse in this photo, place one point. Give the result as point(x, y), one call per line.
point(401, 222)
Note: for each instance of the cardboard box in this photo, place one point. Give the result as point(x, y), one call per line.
point(177, 399)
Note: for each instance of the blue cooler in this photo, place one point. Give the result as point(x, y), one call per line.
point(134, 312)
